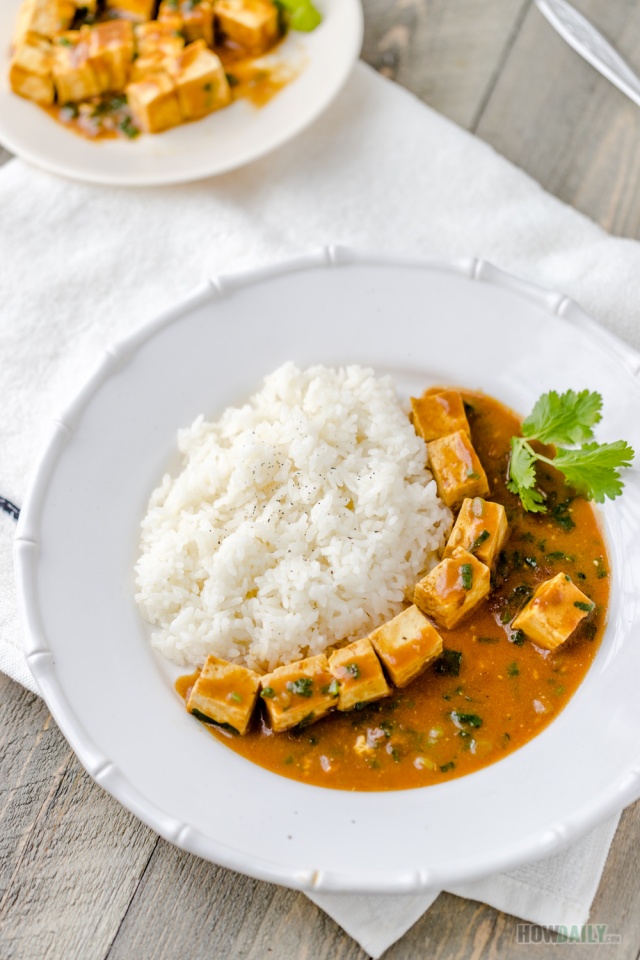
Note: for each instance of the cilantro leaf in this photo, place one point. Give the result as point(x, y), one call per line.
point(564, 418)
point(522, 476)
point(593, 469)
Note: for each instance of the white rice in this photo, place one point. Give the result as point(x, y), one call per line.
point(297, 521)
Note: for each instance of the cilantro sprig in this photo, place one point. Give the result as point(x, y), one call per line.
point(566, 421)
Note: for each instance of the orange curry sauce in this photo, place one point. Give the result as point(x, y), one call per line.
point(492, 690)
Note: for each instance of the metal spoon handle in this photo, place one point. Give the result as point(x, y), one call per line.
point(590, 44)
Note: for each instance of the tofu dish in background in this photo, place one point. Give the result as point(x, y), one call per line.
point(110, 68)
point(491, 640)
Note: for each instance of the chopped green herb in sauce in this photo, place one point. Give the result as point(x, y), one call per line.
point(516, 600)
point(302, 687)
point(448, 663)
point(468, 719)
point(466, 575)
point(479, 540)
point(129, 129)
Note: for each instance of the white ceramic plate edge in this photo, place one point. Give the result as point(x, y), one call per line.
point(42, 662)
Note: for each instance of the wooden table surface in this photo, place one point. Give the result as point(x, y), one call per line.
point(80, 877)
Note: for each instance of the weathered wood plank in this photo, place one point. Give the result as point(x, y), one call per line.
point(456, 929)
point(558, 119)
point(184, 906)
point(71, 855)
point(448, 52)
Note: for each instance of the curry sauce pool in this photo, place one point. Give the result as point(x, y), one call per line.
point(492, 690)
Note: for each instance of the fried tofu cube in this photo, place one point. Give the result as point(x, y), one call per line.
point(30, 69)
point(110, 55)
point(73, 76)
point(300, 692)
point(553, 613)
point(47, 18)
point(198, 21)
point(359, 673)
point(143, 67)
point(453, 588)
point(481, 528)
point(200, 81)
point(250, 24)
point(406, 645)
point(225, 693)
point(436, 415)
point(164, 37)
point(456, 469)
point(154, 103)
point(170, 9)
point(132, 9)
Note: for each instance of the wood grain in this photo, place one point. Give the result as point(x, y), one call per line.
point(71, 856)
point(558, 119)
point(242, 917)
point(448, 52)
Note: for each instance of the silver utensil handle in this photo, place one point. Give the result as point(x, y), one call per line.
point(590, 44)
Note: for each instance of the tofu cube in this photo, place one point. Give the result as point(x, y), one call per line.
point(153, 102)
point(456, 469)
point(436, 415)
point(138, 10)
point(249, 24)
point(198, 22)
point(358, 671)
point(30, 69)
point(554, 612)
point(73, 76)
point(111, 49)
point(47, 18)
point(302, 691)
point(164, 37)
point(407, 645)
point(481, 528)
point(197, 18)
point(453, 588)
point(225, 693)
point(200, 81)
point(143, 67)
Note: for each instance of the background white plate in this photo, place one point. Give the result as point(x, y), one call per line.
point(223, 141)
point(460, 322)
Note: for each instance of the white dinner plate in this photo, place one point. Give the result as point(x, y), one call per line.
point(460, 322)
point(220, 142)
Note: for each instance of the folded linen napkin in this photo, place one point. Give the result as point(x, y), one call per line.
point(82, 266)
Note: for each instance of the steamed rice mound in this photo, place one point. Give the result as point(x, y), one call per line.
point(297, 522)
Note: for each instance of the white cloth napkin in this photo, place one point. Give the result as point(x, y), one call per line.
point(81, 266)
